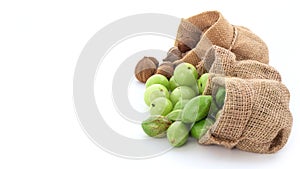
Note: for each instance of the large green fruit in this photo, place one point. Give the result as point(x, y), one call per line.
point(175, 115)
point(158, 79)
point(213, 110)
point(185, 74)
point(161, 106)
point(220, 96)
point(182, 93)
point(196, 109)
point(173, 83)
point(156, 126)
point(202, 82)
point(177, 134)
point(200, 128)
point(180, 104)
point(155, 91)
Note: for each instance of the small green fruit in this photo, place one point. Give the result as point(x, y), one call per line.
point(177, 134)
point(180, 104)
point(173, 83)
point(200, 128)
point(182, 93)
point(213, 110)
point(196, 109)
point(156, 126)
point(220, 96)
point(195, 88)
point(175, 115)
point(155, 91)
point(202, 82)
point(161, 106)
point(158, 79)
point(185, 74)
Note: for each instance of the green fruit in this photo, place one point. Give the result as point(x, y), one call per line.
point(175, 115)
point(155, 91)
point(213, 110)
point(177, 134)
point(185, 74)
point(158, 79)
point(195, 88)
point(161, 106)
point(180, 104)
point(202, 81)
point(182, 93)
point(173, 83)
point(156, 126)
point(220, 96)
point(196, 109)
point(200, 128)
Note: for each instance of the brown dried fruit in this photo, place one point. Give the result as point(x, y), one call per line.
point(177, 62)
point(154, 60)
point(186, 44)
point(173, 55)
point(166, 69)
point(183, 47)
point(145, 68)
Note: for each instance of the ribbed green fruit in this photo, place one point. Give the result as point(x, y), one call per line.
point(156, 126)
point(175, 115)
point(196, 109)
point(200, 128)
point(177, 134)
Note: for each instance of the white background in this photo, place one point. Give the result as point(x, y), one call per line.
point(40, 42)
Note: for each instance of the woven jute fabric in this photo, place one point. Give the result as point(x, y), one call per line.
point(255, 116)
point(211, 28)
point(188, 33)
point(219, 60)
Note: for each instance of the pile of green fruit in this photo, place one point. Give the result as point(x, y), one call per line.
point(177, 106)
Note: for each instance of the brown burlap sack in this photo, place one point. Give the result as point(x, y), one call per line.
point(201, 31)
point(255, 116)
point(219, 60)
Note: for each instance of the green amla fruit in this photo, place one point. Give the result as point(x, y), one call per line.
point(155, 91)
point(200, 128)
point(220, 96)
point(156, 126)
point(173, 83)
point(158, 79)
point(202, 82)
point(161, 106)
point(213, 110)
point(196, 109)
point(177, 134)
point(180, 104)
point(195, 88)
point(182, 93)
point(175, 115)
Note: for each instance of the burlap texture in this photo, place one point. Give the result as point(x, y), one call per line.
point(255, 116)
point(219, 60)
point(188, 33)
point(214, 29)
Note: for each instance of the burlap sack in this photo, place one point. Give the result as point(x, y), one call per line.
point(255, 116)
point(219, 60)
point(209, 28)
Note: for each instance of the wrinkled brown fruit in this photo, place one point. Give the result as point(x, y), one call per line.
point(166, 69)
point(145, 68)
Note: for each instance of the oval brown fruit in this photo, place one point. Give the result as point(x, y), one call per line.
point(145, 68)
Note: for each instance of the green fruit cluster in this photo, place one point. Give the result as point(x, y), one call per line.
point(217, 103)
point(178, 108)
